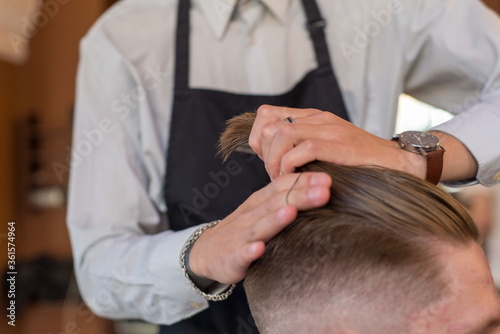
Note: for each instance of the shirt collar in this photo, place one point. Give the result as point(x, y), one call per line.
point(220, 12)
point(278, 8)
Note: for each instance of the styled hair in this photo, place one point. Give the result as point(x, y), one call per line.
point(368, 259)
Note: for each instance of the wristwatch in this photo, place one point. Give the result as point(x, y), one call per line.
point(427, 145)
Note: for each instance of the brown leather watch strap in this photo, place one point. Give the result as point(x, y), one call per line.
point(434, 165)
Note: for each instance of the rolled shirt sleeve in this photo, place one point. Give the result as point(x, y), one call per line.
point(454, 56)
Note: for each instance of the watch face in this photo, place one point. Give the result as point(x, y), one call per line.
point(414, 140)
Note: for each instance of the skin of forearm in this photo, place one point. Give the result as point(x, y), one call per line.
point(459, 163)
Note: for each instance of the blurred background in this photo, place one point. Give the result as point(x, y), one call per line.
point(38, 62)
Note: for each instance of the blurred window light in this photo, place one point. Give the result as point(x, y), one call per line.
point(417, 115)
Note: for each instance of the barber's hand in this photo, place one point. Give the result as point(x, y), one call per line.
point(224, 253)
point(318, 135)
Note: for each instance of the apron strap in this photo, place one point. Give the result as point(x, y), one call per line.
point(182, 48)
point(316, 27)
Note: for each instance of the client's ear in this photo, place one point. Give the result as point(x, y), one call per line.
point(235, 137)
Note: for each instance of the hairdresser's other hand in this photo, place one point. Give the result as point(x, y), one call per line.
point(224, 253)
point(318, 135)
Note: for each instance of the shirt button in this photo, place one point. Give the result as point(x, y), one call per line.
point(195, 305)
point(496, 178)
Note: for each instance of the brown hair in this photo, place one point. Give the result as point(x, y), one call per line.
point(371, 250)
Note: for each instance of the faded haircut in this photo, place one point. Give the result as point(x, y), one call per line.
point(368, 259)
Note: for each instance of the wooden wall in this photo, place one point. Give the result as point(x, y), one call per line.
point(494, 4)
point(44, 85)
point(7, 112)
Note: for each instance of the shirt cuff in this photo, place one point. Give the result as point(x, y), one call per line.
point(170, 283)
point(477, 129)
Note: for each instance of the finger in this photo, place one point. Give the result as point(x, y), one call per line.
point(279, 136)
point(267, 114)
point(289, 137)
point(301, 197)
point(240, 260)
point(260, 203)
point(273, 198)
point(270, 224)
point(312, 150)
point(275, 221)
point(308, 198)
point(321, 118)
point(254, 250)
point(296, 113)
point(273, 149)
point(285, 182)
point(273, 113)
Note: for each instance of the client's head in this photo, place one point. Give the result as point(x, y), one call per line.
point(389, 253)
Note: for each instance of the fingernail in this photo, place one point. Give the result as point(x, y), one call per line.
point(316, 193)
point(252, 248)
point(281, 214)
point(320, 179)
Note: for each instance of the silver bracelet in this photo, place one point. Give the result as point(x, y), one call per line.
point(187, 247)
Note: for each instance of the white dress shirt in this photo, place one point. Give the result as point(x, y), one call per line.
point(446, 53)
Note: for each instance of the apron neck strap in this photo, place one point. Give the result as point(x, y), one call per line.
point(182, 47)
point(315, 25)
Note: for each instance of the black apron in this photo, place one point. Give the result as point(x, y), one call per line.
point(200, 188)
